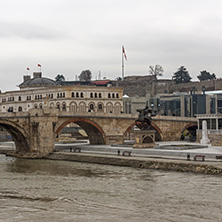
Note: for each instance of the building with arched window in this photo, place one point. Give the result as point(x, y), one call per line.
point(38, 92)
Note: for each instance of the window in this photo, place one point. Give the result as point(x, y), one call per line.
point(95, 95)
point(117, 95)
point(109, 95)
point(63, 95)
point(64, 107)
point(100, 95)
point(113, 95)
point(73, 107)
point(91, 95)
point(77, 95)
point(19, 98)
point(81, 95)
point(73, 94)
point(20, 109)
point(100, 107)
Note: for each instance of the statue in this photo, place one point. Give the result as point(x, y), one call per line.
point(145, 118)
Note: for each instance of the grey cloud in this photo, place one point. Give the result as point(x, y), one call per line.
point(27, 31)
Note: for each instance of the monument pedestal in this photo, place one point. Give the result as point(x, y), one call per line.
point(144, 139)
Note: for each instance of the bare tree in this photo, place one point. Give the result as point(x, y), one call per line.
point(156, 70)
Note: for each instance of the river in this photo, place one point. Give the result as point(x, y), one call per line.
point(45, 190)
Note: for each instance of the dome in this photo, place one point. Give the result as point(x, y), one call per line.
point(38, 82)
point(125, 96)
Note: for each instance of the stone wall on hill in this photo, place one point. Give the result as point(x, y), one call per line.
point(143, 85)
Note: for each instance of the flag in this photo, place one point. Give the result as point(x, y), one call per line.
point(124, 52)
point(28, 68)
point(39, 65)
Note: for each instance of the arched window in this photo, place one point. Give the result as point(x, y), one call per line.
point(91, 107)
point(40, 105)
point(73, 107)
point(63, 106)
point(100, 107)
point(58, 106)
point(19, 98)
point(63, 95)
point(91, 95)
point(81, 95)
point(57, 95)
point(73, 94)
point(36, 106)
point(117, 108)
point(51, 105)
point(95, 95)
point(109, 108)
point(109, 95)
point(82, 107)
point(77, 94)
point(113, 95)
point(51, 96)
point(20, 109)
point(100, 95)
point(117, 95)
point(60, 95)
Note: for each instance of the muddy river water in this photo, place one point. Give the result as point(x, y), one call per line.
point(44, 190)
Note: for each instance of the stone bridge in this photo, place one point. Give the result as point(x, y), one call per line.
point(34, 132)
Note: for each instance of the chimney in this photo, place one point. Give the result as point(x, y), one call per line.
point(37, 75)
point(26, 77)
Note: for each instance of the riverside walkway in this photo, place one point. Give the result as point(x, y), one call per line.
point(167, 150)
point(165, 157)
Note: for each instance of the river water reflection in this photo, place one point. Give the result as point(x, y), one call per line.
point(44, 190)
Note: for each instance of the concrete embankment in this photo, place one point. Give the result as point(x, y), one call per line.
point(214, 168)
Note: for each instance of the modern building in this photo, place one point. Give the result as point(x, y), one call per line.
point(177, 104)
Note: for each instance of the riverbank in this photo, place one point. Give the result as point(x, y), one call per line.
point(157, 159)
point(213, 168)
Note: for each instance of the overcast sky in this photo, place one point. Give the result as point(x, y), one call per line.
point(68, 36)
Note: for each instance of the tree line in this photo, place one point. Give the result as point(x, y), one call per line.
point(180, 76)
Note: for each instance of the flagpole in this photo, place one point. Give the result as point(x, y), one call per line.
point(122, 64)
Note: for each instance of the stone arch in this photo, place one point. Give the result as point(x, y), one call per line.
point(158, 134)
point(18, 134)
point(148, 139)
point(94, 131)
point(191, 127)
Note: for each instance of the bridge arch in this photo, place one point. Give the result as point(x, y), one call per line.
point(94, 131)
point(18, 134)
point(158, 134)
point(191, 128)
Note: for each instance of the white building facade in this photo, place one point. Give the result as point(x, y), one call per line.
point(38, 92)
